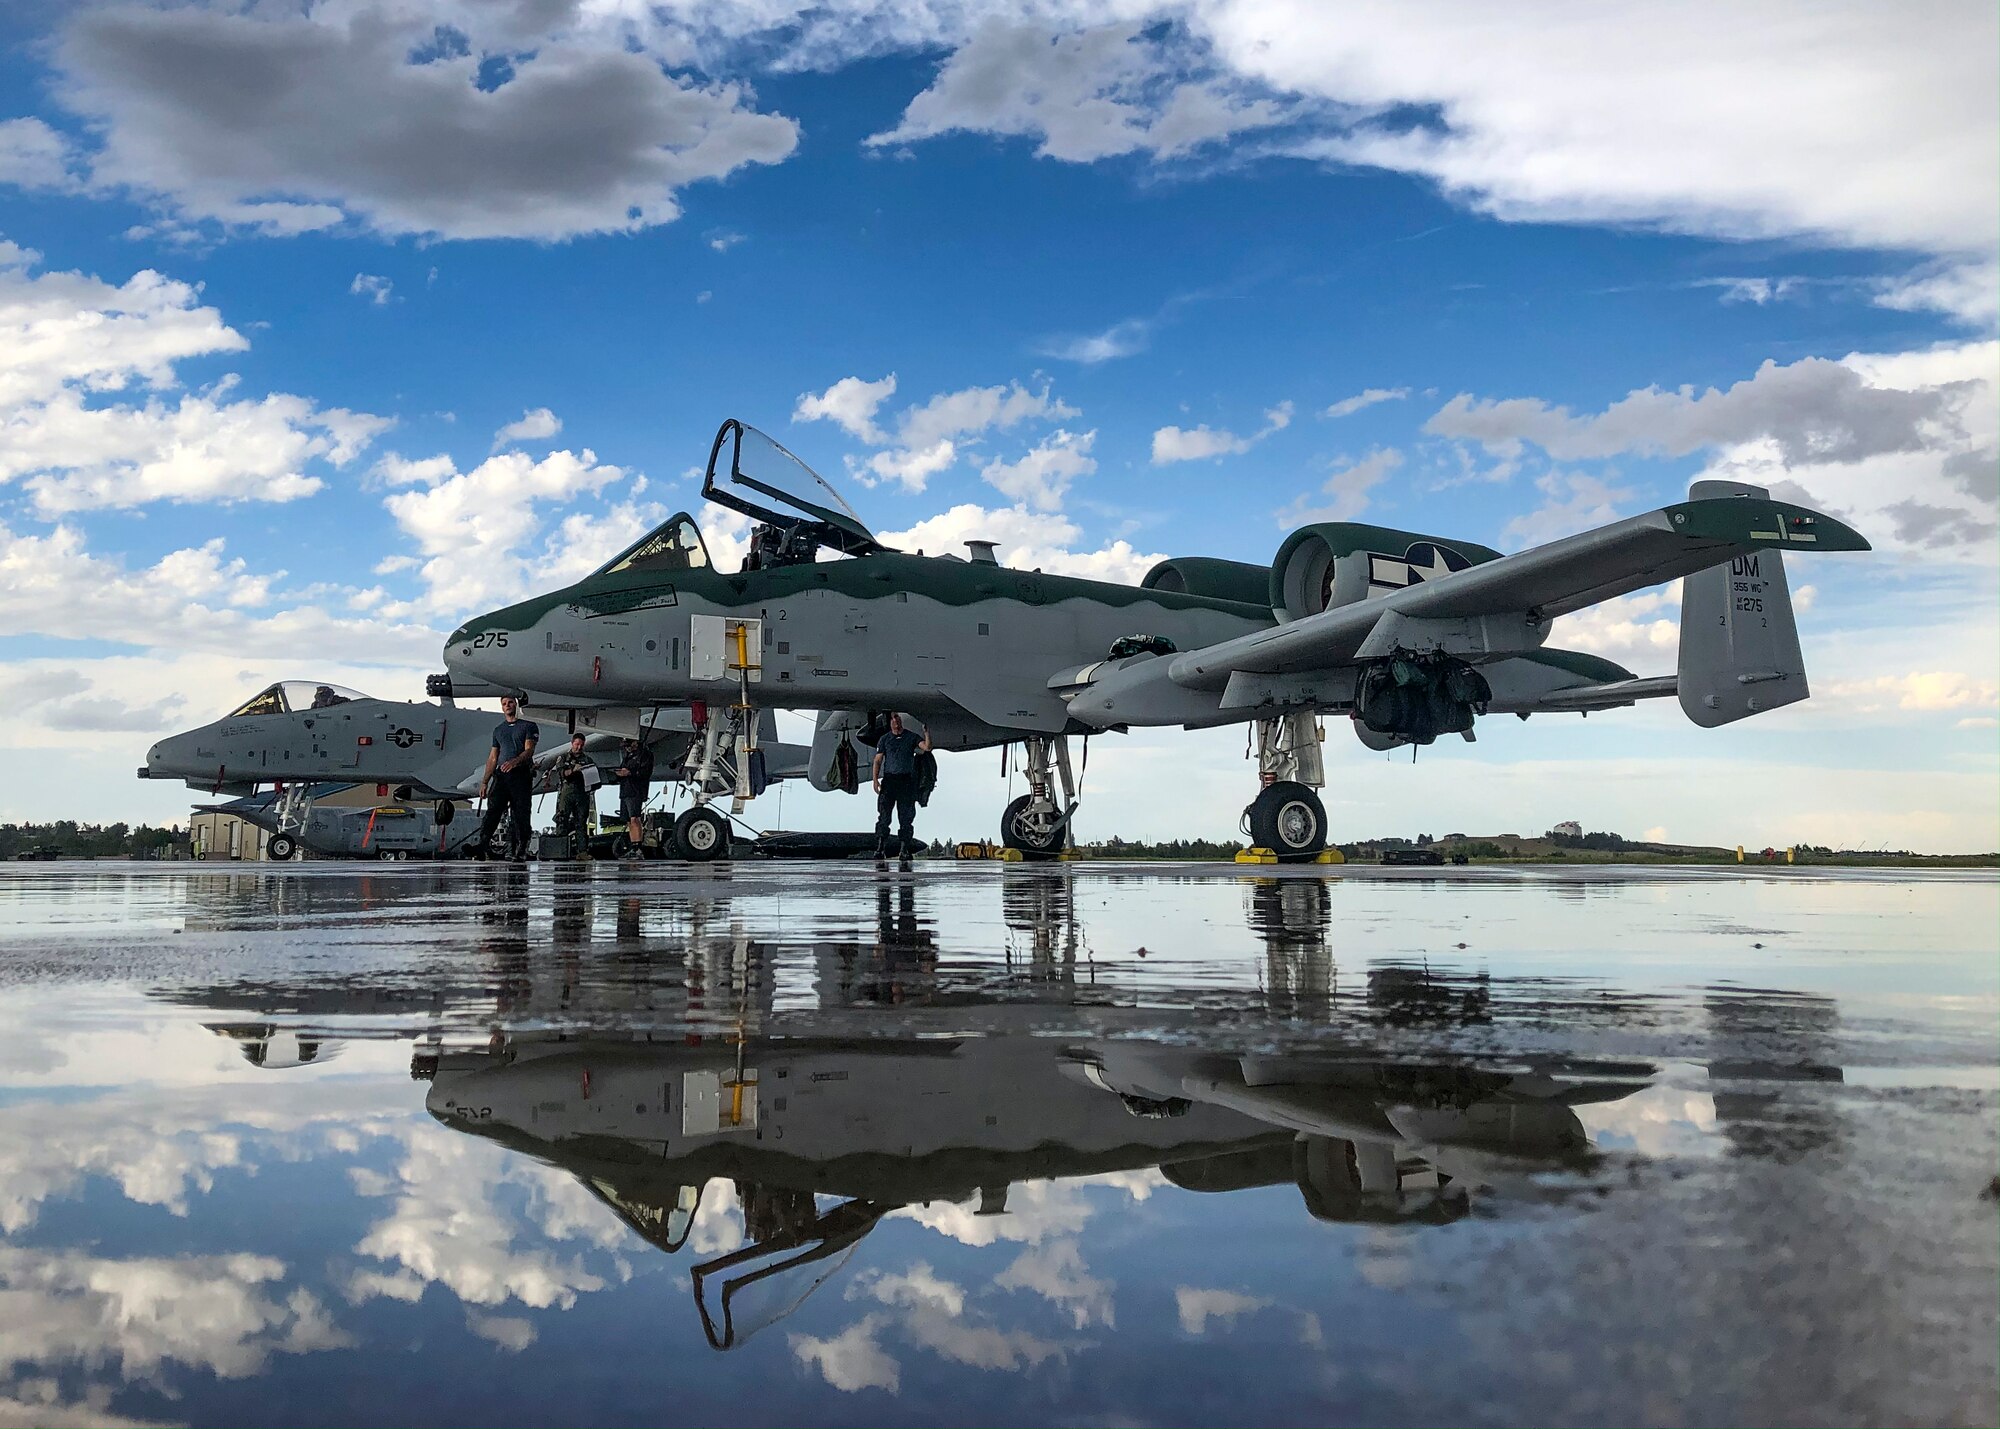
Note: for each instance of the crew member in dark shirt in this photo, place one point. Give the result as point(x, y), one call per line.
point(896, 785)
point(575, 793)
point(635, 779)
point(510, 774)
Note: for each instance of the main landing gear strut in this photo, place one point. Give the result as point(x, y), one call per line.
point(1287, 817)
point(1037, 823)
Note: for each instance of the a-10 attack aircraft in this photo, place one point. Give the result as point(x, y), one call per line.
point(1408, 635)
point(404, 830)
point(300, 735)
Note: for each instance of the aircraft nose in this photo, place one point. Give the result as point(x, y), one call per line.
point(172, 758)
point(495, 647)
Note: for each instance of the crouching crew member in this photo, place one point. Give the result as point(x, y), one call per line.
point(635, 778)
point(575, 793)
point(896, 785)
point(510, 775)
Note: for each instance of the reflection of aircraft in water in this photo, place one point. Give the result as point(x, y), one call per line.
point(1373, 1140)
point(884, 1124)
point(272, 1047)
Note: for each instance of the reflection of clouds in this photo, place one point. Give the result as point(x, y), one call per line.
point(1036, 1210)
point(853, 1359)
point(1659, 1120)
point(222, 1313)
point(916, 1287)
point(718, 1220)
point(1056, 1272)
point(929, 1312)
point(979, 1346)
point(1197, 1306)
point(1383, 1258)
point(455, 1222)
point(510, 1332)
point(159, 1145)
point(39, 1404)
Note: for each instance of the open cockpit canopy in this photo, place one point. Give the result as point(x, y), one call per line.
point(674, 545)
point(291, 696)
point(747, 472)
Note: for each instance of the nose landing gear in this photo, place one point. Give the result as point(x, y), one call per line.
point(701, 834)
point(1036, 824)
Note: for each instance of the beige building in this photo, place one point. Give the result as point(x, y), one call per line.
point(225, 838)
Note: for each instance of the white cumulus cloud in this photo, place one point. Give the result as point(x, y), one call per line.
point(1040, 479)
point(534, 426)
point(1345, 494)
point(1172, 444)
point(67, 340)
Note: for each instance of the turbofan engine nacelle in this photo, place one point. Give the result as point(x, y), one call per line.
point(1339, 562)
point(1376, 740)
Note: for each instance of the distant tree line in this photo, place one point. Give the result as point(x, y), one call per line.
point(1193, 850)
point(1603, 842)
point(73, 840)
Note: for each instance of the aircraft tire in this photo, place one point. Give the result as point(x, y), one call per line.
point(281, 847)
point(1028, 838)
point(1288, 819)
point(701, 834)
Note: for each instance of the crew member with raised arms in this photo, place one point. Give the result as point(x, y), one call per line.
point(896, 784)
point(510, 774)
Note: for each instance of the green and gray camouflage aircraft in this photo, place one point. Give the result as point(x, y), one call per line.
point(1409, 636)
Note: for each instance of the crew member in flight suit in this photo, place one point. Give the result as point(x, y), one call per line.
point(574, 797)
point(510, 774)
point(896, 784)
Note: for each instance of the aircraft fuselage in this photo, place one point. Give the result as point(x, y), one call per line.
point(965, 646)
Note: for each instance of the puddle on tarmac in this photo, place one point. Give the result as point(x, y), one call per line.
point(813, 1143)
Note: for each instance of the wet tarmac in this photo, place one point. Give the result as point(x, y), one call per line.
point(990, 1144)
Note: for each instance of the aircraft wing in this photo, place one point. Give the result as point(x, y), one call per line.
point(1534, 586)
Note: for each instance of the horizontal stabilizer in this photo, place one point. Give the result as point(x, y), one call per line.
point(1609, 696)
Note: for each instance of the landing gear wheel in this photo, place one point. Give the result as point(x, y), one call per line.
point(1036, 833)
point(1289, 820)
point(701, 834)
point(281, 847)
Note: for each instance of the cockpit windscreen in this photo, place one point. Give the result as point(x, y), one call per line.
point(674, 545)
point(291, 696)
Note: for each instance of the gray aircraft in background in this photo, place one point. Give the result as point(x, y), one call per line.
point(403, 830)
point(303, 736)
point(1409, 636)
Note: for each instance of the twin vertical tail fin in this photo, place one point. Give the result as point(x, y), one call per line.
point(1739, 643)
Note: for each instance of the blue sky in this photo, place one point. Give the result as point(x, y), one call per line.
point(324, 325)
